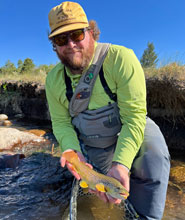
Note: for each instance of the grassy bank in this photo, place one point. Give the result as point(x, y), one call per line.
point(170, 71)
point(26, 77)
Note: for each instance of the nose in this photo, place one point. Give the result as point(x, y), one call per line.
point(70, 42)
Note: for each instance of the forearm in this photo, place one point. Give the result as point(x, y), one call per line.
point(128, 145)
point(133, 117)
point(65, 135)
point(61, 123)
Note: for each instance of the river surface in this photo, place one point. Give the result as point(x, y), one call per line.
point(175, 202)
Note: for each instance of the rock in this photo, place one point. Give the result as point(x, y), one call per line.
point(11, 137)
point(10, 161)
point(37, 132)
point(7, 123)
point(3, 117)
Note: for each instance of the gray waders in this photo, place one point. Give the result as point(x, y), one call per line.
point(149, 171)
point(100, 127)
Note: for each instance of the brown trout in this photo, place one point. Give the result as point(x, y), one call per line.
point(94, 180)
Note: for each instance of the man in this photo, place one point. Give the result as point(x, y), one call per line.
point(78, 111)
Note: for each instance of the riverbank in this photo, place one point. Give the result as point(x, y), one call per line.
point(165, 104)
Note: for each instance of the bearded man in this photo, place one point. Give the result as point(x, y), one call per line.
point(97, 103)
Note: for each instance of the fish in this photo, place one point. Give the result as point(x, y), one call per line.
point(95, 180)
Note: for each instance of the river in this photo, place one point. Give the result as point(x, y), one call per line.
point(26, 193)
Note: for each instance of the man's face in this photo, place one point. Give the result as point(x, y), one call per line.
point(77, 55)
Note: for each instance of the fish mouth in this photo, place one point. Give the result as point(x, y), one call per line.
point(124, 195)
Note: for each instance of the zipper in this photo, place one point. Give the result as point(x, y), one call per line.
point(93, 114)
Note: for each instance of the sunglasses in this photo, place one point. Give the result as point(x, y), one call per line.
point(76, 36)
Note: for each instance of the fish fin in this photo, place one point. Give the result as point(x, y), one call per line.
point(100, 187)
point(85, 190)
point(83, 184)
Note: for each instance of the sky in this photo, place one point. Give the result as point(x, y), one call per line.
point(24, 28)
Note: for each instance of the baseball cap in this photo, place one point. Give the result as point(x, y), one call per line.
point(65, 17)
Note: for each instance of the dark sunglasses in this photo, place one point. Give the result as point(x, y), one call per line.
point(76, 36)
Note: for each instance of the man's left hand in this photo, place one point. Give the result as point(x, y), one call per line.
point(120, 173)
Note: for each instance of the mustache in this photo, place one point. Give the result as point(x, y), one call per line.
point(72, 51)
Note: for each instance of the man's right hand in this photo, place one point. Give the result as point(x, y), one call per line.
point(70, 166)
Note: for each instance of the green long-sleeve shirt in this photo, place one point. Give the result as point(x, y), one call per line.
point(125, 77)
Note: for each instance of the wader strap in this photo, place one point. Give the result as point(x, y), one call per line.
point(69, 90)
point(80, 100)
point(111, 95)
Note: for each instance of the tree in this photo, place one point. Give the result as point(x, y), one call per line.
point(149, 57)
point(45, 68)
point(27, 66)
point(8, 68)
point(19, 65)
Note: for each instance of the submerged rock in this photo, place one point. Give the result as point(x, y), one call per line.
point(5, 123)
point(38, 189)
point(37, 132)
point(10, 161)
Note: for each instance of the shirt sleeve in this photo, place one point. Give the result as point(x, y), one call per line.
point(61, 120)
point(131, 98)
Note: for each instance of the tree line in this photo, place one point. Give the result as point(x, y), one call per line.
point(148, 59)
point(24, 67)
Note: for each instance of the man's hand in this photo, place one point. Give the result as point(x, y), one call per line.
point(120, 173)
point(70, 166)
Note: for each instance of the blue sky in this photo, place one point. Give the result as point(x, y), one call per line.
point(131, 23)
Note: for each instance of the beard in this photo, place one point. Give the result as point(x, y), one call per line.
point(77, 64)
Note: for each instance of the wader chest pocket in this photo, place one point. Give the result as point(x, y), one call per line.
point(100, 127)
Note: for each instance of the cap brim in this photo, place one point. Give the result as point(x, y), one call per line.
point(69, 27)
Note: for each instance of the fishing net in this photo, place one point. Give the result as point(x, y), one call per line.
point(79, 207)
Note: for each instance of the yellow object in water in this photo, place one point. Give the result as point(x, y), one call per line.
point(94, 180)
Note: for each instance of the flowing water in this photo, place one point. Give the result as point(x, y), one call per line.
point(90, 207)
point(39, 189)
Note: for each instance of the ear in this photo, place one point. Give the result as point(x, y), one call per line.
point(91, 33)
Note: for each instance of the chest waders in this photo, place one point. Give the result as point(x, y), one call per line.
point(151, 166)
point(97, 129)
